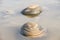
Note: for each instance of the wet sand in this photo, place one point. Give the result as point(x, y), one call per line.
point(12, 21)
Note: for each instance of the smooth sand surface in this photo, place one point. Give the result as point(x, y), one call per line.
point(11, 20)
